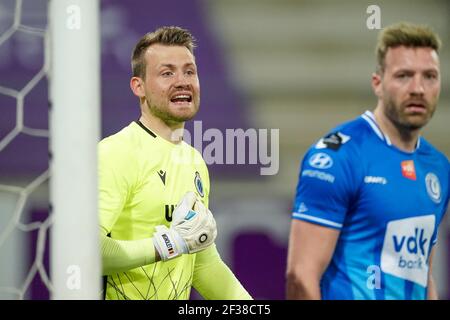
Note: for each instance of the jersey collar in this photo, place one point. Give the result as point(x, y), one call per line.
point(150, 132)
point(370, 119)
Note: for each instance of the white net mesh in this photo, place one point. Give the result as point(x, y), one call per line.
point(23, 69)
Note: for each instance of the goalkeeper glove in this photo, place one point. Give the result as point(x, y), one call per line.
point(193, 229)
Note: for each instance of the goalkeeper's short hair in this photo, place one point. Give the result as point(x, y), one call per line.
point(170, 36)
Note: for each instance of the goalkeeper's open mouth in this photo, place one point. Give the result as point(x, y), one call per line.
point(181, 98)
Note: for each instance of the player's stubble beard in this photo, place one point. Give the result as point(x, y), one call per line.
point(170, 118)
point(405, 123)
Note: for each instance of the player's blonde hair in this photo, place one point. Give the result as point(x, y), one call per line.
point(404, 34)
point(170, 36)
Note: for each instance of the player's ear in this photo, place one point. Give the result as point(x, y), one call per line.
point(376, 84)
point(137, 86)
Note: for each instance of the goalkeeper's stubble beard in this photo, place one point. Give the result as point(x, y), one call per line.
point(172, 114)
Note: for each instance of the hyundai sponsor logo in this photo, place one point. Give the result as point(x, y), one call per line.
point(318, 175)
point(320, 161)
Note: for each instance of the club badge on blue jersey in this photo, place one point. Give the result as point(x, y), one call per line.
point(198, 184)
point(433, 187)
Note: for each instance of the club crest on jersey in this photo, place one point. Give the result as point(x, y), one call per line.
point(198, 184)
point(332, 141)
point(408, 170)
point(433, 187)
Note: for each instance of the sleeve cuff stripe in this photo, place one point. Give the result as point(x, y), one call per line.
point(315, 219)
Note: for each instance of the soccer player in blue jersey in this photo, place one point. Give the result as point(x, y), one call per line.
point(373, 191)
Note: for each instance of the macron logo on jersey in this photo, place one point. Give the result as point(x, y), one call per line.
point(406, 247)
point(162, 175)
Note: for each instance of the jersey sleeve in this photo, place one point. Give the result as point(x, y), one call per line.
point(117, 175)
point(327, 184)
point(123, 255)
point(214, 280)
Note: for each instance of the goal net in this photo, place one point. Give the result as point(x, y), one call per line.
point(49, 129)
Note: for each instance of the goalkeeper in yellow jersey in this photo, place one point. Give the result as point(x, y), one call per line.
point(157, 234)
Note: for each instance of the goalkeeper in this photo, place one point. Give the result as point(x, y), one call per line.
point(157, 234)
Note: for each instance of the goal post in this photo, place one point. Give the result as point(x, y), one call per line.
point(74, 90)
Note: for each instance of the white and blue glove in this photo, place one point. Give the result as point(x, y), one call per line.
point(193, 229)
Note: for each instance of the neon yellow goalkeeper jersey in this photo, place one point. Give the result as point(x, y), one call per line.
point(141, 179)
